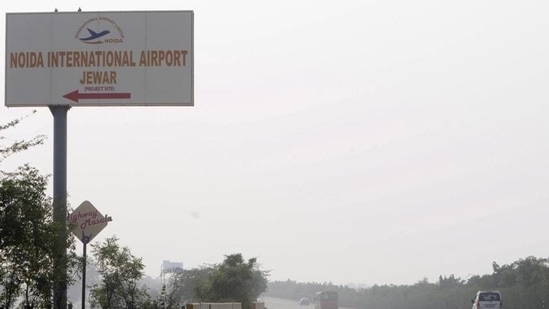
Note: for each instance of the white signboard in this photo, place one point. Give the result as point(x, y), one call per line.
point(168, 266)
point(87, 222)
point(100, 59)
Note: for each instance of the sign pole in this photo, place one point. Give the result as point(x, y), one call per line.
point(84, 276)
point(60, 204)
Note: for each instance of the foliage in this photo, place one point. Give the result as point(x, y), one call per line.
point(524, 284)
point(27, 236)
point(120, 272)
point(234, 280)
point(184, 286)
point(17, 145)
point(28, 232)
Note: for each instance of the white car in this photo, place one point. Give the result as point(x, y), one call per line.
point(487, 300)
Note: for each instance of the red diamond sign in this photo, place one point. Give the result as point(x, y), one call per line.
point(87, 222)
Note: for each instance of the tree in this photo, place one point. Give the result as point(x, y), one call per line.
point(28, 232)
point(233, 280)
point(238, 281)
point(17, 145)
point(185, 286)
point(120, 272)
point(27, 235)
point(523, 284)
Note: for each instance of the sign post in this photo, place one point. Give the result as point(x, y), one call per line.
point(86, 222)
point(60, 200)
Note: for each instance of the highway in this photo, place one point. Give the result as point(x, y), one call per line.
point(279, 303)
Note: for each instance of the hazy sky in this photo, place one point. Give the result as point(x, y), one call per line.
point(377, 142)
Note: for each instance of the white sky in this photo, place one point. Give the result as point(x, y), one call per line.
point(357, 141)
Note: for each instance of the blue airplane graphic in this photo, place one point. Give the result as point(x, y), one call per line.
point(94, 35)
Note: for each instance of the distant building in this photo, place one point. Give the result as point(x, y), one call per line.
point(168, 266)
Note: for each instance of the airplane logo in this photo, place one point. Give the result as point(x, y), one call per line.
point(94, 36)
point(103, 31)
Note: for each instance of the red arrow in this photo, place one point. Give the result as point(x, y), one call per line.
point(75, 95)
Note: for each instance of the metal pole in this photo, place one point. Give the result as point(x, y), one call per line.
point(60, 204)
point(84, 278)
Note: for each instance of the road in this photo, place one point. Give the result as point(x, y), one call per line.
point(279, 303)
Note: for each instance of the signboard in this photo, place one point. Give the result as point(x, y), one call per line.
point(168, 266)
point(100, 59)
point(87, 222)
